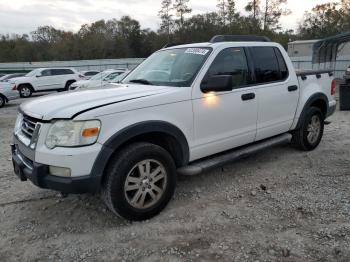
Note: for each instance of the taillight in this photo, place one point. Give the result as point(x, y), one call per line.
point(14, 88)
point(333, 87)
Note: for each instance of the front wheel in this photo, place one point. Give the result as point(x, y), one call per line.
point(140, 181)
point(2, 101)
point(310, 133)
point(25, 91)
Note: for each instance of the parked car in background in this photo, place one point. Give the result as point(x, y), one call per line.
point(8, 77)
point(88, 74)
point(7, 92)
point(46, 79)
point(97, 80)
point(347, 75)
point(120, 77)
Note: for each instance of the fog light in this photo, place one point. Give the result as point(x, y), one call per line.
point(59, 171)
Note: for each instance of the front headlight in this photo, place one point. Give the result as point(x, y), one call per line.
point(18, 123)
point(68, 133)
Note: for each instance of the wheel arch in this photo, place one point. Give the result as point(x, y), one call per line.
point(3, 96)
point(161, 133)
point(26, 84)
point(318, 100)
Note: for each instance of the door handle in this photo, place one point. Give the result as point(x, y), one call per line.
point(292, 88)
point(248, 96)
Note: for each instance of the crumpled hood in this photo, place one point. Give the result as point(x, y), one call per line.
point(69, 104)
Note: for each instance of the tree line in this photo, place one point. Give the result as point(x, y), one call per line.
point(125, 38)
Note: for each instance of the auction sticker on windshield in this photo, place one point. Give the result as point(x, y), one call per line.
point(196, 51)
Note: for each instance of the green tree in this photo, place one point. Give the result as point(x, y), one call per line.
point(231, 11)
point(222, 11)
point(273, 11)
point(181, 7)
point(324, 20)
point(166, 17)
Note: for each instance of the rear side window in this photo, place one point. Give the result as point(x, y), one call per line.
point(67, 72)
point(91, 73)
point(61, 72)
point(282, 64)
point(268, 66)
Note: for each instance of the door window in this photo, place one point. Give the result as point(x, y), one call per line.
point(46, 72)
point(232, 61)
point(267, 65)
point(58, 72)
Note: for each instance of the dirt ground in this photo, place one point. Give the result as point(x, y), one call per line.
point(278, 205)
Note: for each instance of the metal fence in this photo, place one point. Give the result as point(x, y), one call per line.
point(338, 67)
point(80, 65)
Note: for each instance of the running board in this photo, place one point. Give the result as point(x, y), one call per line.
point(199, 166)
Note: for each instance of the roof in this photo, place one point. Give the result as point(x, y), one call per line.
point(219, 44)
point(326, 50)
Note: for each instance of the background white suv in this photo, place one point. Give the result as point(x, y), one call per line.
point(46, 79)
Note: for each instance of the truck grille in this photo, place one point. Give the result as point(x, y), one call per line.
point(28, 126)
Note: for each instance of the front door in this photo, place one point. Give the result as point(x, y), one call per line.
point(225, 120)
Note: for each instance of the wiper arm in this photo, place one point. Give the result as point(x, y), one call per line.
point(141, 81)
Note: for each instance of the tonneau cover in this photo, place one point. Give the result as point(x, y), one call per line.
point(313, 72)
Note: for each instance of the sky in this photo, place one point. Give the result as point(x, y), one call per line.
point(24, 16)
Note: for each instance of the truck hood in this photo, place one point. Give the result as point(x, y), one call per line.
point(21, 79)
point(67, 105)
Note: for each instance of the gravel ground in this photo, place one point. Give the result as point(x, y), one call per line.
point(278, 205)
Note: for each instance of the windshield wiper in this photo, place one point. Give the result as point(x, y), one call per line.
point(141, 81)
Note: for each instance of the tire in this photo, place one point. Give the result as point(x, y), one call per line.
point(2, 101)
point(25, 91)
point(124, 182)
point(66, 87)
point(310, 133)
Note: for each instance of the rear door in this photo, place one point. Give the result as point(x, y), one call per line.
point(278, 91)
point(62, 76)
point(224, 120)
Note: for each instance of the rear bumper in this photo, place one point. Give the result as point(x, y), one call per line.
point(331, 109)
point(12, 95)
point(39, 175)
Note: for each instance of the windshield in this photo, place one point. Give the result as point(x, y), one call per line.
point(33, 73)
point(120, 77)
point(100, 76)
point(172, 67)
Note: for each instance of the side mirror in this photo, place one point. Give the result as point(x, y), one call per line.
point(219, 83)
point(39, 75)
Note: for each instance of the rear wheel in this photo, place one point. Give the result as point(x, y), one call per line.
point(25, 91)
point(2, 101)
point(140, 181)
point(66, 87)
point(310, 133)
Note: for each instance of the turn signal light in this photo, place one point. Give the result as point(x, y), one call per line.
point(333, 87)
point(14, 88)
point(90, 132)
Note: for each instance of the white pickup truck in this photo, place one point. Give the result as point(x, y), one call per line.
point(46, 79)
point(184, 110)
